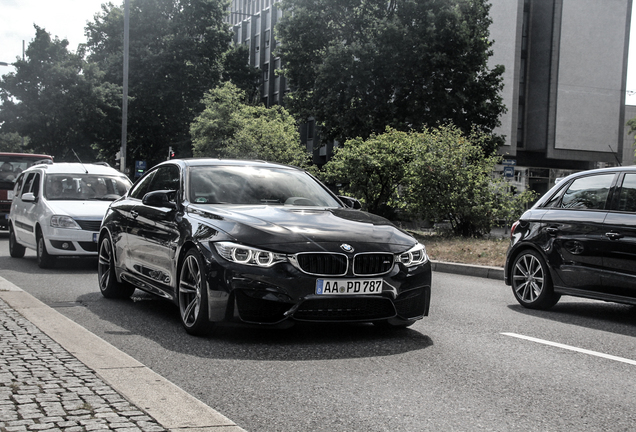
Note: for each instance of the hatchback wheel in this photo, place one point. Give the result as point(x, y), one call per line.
point(531, 283)
point(108, 284)
point(45, 260)
point(193, 296)
point(16, 250)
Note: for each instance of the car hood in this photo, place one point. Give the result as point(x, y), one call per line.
point(287, 226)
point(79, 209)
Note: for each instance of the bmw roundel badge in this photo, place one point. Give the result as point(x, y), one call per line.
point(347, 248)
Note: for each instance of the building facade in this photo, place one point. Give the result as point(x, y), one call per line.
point(564, 83)
point(566, 70)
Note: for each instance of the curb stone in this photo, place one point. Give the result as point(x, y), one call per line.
point(156, 403)
point(469, 270)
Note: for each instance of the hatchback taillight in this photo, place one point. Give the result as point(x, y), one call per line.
point(513, 228)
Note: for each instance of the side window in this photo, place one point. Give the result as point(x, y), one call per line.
point(627, 195)
point(28, 183)
point(588, 193)
point(36, 185)
point(555, 200)
point(166, 178)
point(141, 188)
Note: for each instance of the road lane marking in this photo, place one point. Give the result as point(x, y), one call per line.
point(572, 348)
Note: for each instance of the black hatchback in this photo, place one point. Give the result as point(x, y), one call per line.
point(259, 243)
point(579, 239)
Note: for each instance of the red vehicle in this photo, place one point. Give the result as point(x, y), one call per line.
point(11, 165)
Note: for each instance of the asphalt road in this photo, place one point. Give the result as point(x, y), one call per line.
point(466, 367)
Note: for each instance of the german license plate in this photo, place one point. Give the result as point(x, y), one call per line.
point(95, 237)
point(348, 286)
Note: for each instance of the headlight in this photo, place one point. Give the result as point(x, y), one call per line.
point(240, 254)
point(416, 255)
point(64, 222)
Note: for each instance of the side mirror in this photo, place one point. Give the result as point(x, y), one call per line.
point(28, 197)
point(350, 202)
point(160, 198)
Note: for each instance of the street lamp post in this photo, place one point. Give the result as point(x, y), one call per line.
point(124, 105)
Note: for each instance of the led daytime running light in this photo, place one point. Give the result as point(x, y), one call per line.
point(415, 256)
point(247, 255)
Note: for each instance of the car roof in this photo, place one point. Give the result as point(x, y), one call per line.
point(75, 168)
point(630, 168)
point(190, 162)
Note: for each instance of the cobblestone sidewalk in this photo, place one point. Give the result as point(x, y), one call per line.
point(44, 388)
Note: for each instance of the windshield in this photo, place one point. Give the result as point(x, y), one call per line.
point(256, 185)
point(11, 165)
point(85, 187)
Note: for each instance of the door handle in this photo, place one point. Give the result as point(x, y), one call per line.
point(552, 230)
point(134, 214)
point(614, 235)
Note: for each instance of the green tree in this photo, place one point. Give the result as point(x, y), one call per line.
point(177, 52)
point(450, 179)
point(373, 170)
point(362, 65)
point(230, 127)
point(632, 128)
point(57, 100)
point(11, 143)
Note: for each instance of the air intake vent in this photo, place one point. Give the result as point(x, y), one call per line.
point(372, 264)
point(323, 264)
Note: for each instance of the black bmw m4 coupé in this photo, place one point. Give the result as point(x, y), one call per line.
point(259, 243)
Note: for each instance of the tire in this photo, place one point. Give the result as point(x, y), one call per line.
point(45, 260)
point(193, 295)
point(16, 250)
point(106, 278)
point(531, 281)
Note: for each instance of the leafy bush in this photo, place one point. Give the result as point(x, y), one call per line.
point(438, 174)
point(373, 170)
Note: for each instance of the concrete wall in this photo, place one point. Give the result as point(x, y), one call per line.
point(591, 67)
point(507, 16)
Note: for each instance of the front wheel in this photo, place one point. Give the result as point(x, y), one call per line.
point(108, 284)
point(193, 295)
point(16, 250)
point(531, 283)
point(45, 260)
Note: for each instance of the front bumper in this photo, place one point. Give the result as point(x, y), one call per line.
point(71, 242)
point(271, 296)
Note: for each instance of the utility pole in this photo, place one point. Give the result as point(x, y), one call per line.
point(124, 104)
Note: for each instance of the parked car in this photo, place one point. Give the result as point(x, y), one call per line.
point(579, 239)
point(259, 243)
point(57, 209)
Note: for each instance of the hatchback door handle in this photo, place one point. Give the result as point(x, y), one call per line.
point(552, 230)
point(614, 235)
point(134, 214)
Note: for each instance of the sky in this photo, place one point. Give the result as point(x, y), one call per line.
point(67, 19)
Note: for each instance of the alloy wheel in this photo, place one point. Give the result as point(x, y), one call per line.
point(528, 278)
point(104, 263)
point(190, 291)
